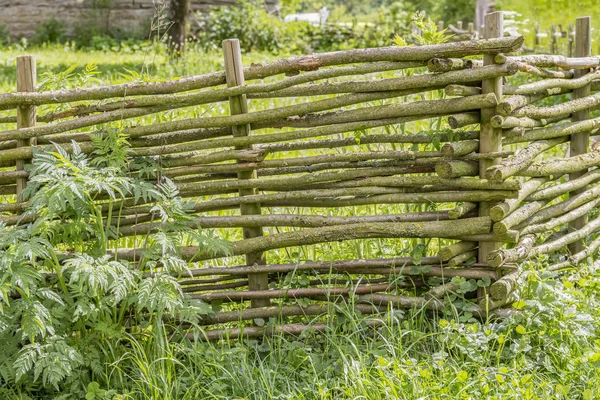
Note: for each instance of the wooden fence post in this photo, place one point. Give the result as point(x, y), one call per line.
point(471, 29)
point(570, 40)
point(490, 138)
point(580, 141)
point(26, 117)
point(234, 74)
point(553, 40)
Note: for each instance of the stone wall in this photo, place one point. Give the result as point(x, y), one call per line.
point(21, 17)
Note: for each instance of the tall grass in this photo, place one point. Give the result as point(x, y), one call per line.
point(550, 350)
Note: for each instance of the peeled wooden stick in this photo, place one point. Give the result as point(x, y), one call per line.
point(294, 182)
point(560, 110)
point(576, 258)
point(422, 181)
point(136, 226)
point(542, 60)
point(299, 200)
point(518, 253)
point(8, 190)
point(446, 64)
point(560, 243)
point(562, 166)
point(460, 120)
point(501, 210)
point(544, 73)
point(511, 103)
point(521, 160)
point(395, 198)
point(254, 159)
point(279, 312)
point(559, 130)
point(401, 167)
point(580, 143)
point(562, 207)
point(211, 287)
point(461, 90)
point(304, 221)
point(462, 258)
point(507, 122)
point(553, 192)
point(401, 301)
point(563, 219)
point(492, 304)
point(450, 251)
point(451, 229)
point(457, 149)
point(240, 295)
point(507, 284)
point(456, 168)
point(7, 177)
point(429, 266)
point(413, 82)
point(439, 292)
point(461, 210)
point(549, 84)
point(518, 216)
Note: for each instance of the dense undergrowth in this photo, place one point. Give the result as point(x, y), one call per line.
point(549, 350)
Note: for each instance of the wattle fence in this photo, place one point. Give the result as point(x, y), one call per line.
point(489, 186)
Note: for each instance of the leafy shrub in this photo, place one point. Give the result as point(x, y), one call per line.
point(429, 33)
point(328, 37)
point(66, 296)
point(51, 31)
point(4, 36)
point(248, 21)
point(86, 36)
point(258, 30)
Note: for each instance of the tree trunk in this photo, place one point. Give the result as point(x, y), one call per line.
point(177, 31)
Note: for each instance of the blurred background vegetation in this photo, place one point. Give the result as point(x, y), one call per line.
point(350, 24)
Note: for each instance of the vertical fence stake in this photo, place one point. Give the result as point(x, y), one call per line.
point(471, 29)
point(490, 139)
point(553, 40)
point(580, 141)
point(570, 39)
point(234, 74)
point(26, 116)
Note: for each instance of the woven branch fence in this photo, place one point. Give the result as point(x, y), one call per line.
point(491, 188)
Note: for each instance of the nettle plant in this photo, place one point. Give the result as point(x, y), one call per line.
point(64, 290)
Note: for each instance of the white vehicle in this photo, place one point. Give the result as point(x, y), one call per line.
point(312, 18)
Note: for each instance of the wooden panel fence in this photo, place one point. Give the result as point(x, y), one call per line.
point(492, 187)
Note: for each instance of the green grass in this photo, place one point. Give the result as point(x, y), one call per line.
point(550, 350)
point(546, 13)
